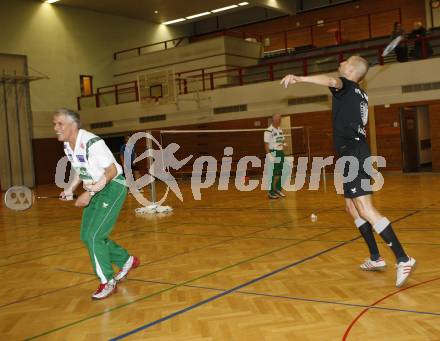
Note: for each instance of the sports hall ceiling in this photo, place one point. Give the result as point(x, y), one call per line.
point(170, 9)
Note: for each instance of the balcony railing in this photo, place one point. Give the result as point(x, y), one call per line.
point(205, 80)
point(335, 32)
point(366, 26)
point(110, 95)
point(201, 80)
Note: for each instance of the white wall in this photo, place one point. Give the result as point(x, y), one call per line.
point(219, 51)
point(63, 42)
point(383, 85)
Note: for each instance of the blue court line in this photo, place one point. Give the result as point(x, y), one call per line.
point(229, 291)
point(236, 288)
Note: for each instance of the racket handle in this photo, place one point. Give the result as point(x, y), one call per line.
point(75, 196)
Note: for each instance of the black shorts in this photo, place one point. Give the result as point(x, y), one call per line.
point(355, 188)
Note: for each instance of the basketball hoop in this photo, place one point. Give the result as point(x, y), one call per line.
point(157, 87)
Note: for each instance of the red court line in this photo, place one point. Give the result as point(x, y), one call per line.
point(356, 319)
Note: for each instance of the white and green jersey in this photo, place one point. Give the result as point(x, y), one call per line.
point(90, 157)
point(274, 137)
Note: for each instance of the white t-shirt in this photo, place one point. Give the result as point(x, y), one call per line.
point(275, 138)
point(90, 156)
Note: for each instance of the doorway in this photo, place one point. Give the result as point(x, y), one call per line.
point(415, 138)
point(86, 85)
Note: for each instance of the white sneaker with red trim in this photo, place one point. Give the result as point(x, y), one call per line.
point(374, 265)
point(105, 290)
point(404, 269)
point(131, 263)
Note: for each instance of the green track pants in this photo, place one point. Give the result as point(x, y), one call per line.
point(98, 220)
point(277, 170)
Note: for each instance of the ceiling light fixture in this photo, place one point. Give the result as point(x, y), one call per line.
point(224, 8)
point(173, 21)
point(243, 3)
point(198, 15)
point(155, 12)
point(51, 1)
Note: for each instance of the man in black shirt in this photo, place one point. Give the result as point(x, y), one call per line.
point(350, 116)
point(422, 47)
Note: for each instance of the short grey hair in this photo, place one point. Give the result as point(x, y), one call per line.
point(273, 117)
point(72, 115)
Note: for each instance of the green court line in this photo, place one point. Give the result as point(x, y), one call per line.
point(210, 245)
point(281, 238)
point(202, 276)
point(228, 240)
point(44, 294)
point(227, 224)
point(118, 235)
point(56, 223)
point(53, 233)
point(163, 230)
point(181, 253)
point(172, 287)
point(133, 232)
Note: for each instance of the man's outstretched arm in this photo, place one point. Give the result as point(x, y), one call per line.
point(332, 82)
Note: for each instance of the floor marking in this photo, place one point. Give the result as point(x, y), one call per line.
point(170, 288)
point(356, 319)
point(229, 291)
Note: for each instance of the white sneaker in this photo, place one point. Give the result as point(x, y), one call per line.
point(404, 269)
point(272, 196)
point(131, 263)
point(374, 265)
point(105, 290)
point(280, 194)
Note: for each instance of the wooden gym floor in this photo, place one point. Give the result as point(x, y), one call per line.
point(233, 266)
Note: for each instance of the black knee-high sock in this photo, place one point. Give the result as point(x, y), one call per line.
point(383, 227)
point(366, 231)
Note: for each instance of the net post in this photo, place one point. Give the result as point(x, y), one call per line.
point(309, 154)
point(150, 169)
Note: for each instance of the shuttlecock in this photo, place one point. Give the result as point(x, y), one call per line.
point(313, 217)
